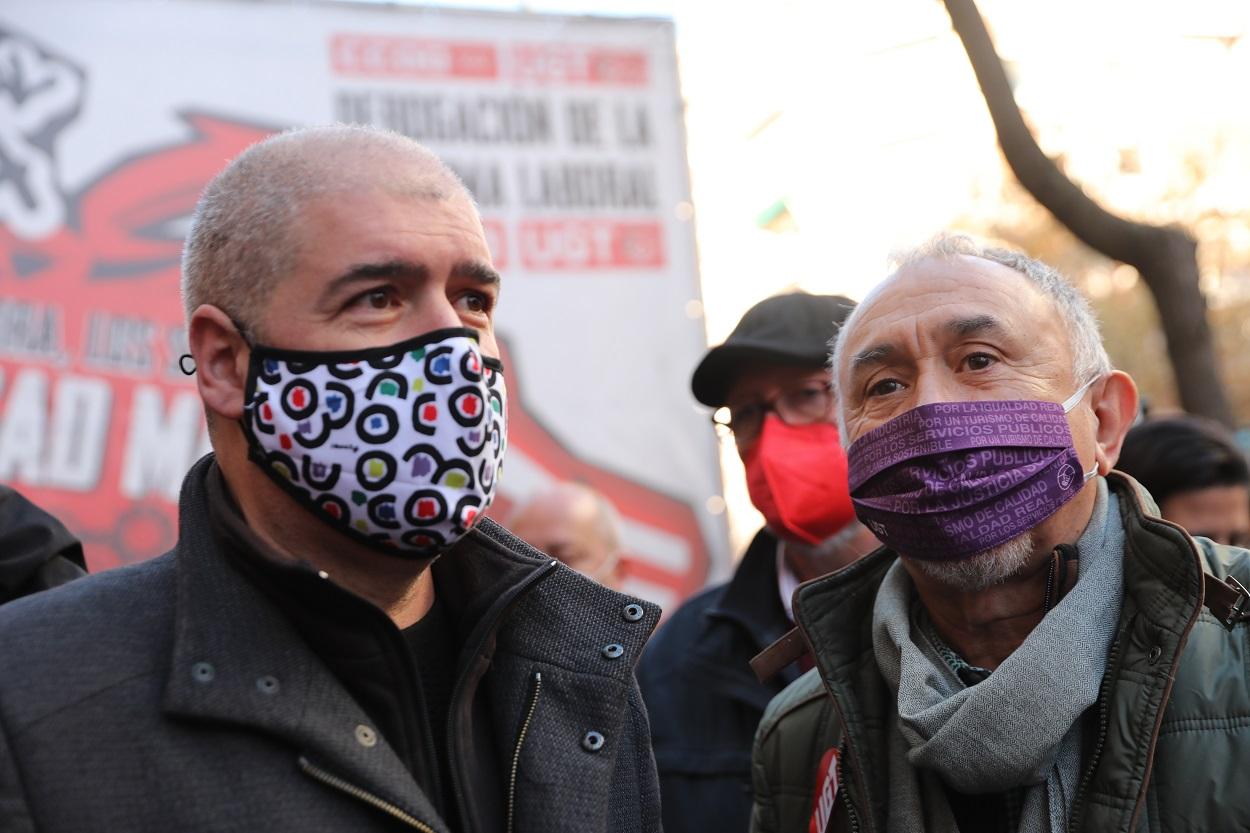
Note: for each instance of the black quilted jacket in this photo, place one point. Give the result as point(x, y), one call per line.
point(36, 551)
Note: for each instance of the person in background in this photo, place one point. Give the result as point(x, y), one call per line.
point(37, 552)
point(1032, 650)
point(1195, 472)
point(576, 526)
point(339, 639)
point(770, 385)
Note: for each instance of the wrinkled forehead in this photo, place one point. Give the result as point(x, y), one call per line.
point(345, 210)
point(932, 299)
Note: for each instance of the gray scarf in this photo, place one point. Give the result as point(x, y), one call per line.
point(1021, 725)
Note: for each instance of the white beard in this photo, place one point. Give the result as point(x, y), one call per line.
point(985, 569)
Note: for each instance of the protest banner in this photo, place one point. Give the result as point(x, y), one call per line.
point(568, 131)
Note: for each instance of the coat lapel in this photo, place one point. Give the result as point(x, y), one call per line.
point(835, 614)
point(1162, 602)
point(236, 660)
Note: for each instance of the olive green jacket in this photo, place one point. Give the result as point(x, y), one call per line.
point(1170, 733)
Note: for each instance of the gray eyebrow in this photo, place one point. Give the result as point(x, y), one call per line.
point(972, 325)
point(873, 355)
point(961, 327)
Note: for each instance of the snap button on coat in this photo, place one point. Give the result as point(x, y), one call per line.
point(366, 737)
point(613, 651)
point(267, 684)
point(203, 672)
point(632, 612)
point(593, 742)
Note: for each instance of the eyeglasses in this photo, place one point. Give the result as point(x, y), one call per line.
point(801, 406)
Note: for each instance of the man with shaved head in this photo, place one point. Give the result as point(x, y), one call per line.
point(575, 525)
point(1033, 648)
point(338, 641)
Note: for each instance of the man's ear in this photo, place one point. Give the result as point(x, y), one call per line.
point(616, 575)
point(1115, 409)
point(221, 357)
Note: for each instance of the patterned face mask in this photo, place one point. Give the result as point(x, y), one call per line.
point(397, 447)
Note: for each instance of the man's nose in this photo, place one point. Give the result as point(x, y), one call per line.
point(933, 385)
point(435, 311)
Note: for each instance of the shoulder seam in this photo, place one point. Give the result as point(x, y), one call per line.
point(771, 721)
point(19, 731)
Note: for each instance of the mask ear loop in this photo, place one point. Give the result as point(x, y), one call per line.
point(1068, 405)
point(1071, 401)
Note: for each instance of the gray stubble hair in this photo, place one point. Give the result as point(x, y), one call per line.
point(243, 237)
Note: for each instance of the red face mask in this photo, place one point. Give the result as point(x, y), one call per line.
point(796, 476)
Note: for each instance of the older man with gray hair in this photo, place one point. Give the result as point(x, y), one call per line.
point(576, 525)
point(339, 640)
point(1033, 649)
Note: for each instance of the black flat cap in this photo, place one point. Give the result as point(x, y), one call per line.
point(794, 328)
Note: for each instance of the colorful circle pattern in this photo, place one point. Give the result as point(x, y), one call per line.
point(399, 448)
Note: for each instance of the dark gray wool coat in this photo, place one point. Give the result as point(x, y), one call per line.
point(173, 696)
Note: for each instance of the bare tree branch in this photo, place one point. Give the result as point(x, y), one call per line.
point(1165, 256)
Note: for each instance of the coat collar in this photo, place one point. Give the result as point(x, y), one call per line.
point(564, 619)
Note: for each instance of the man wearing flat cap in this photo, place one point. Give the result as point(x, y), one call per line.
point(770, 378)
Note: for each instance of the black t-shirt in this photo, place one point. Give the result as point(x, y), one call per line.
point(432, 646)
point(403, 680)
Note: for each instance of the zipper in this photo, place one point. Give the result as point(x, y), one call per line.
point(846, 743)
point(1103, 693)
point(1104, 690)
point(332, 780)
point(458, 754)
point(520, 742)
point(1143, 796)
point(843, 763)
point(846, 793)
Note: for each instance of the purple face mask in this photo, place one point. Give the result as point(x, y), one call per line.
point(948, 480)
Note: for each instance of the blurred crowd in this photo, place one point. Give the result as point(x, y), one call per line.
point(990, 592)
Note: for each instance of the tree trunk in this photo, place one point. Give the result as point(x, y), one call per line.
point(1164, 256)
